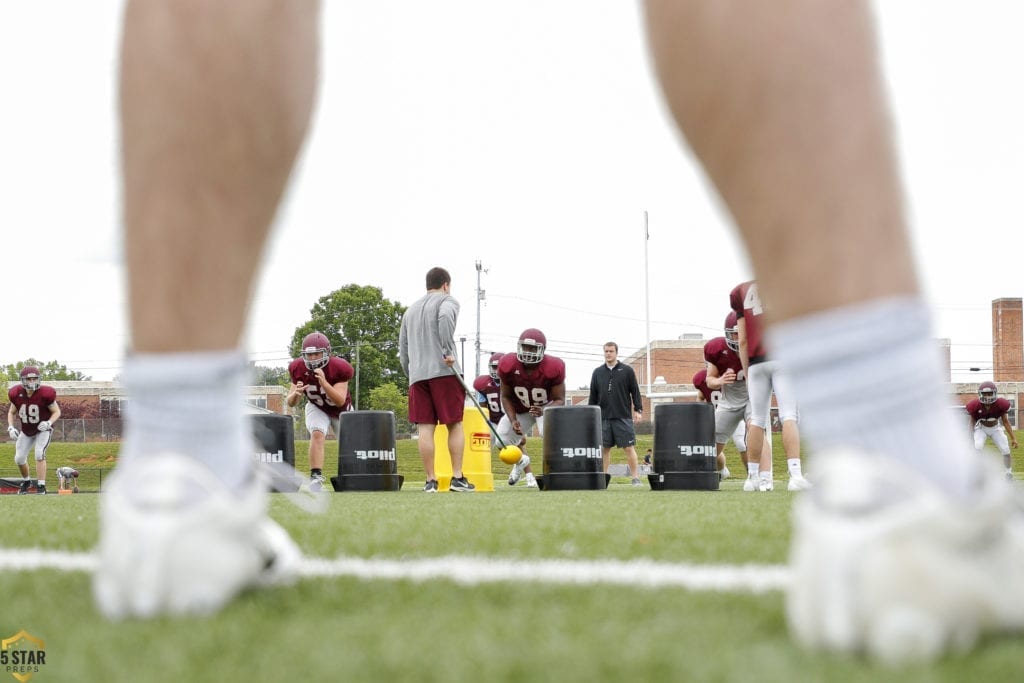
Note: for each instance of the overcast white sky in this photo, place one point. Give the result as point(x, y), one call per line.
point(527, 136)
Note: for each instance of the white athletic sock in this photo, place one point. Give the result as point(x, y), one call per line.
point(793, 465)
point(191, 404)
point(869, 376)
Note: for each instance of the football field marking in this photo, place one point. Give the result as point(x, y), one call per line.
point(643, 573)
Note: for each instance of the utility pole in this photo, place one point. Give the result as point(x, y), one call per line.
point(480, 295)
point(355, 398)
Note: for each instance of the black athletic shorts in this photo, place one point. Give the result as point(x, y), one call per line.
point(617, 433)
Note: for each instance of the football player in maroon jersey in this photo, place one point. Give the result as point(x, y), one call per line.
point(764, 375)
point(724, 376)
point(322, 379)
point(531, 380)
point(34, 407)
point(488, 389)
point(720, 356)
point(990, 420)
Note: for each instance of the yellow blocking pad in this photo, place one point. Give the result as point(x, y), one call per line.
point(476, 456)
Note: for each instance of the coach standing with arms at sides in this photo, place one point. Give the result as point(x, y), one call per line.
point(613, 387)
point(426, 349)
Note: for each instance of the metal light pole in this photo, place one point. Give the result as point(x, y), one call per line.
point(647, 304)
point(462, 363)
point(480, 295)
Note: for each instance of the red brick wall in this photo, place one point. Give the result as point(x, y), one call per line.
point(1007, 340)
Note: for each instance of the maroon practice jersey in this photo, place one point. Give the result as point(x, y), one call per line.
point(531, 384)
point(32, 409)
point(989, 412)
point(700, 382)
point(490, 390)
point(718, 353)
point(746, 302)
point(336, 370)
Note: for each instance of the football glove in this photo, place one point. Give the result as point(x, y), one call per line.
point(13, 433)
point(44, 426)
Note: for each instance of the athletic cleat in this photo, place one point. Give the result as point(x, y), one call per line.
point(885, 563)
point(636, 482)
point(517, 470)
point(766, 484)
point(1009, 475)
point(531, 481)
point(41, 489)
point(23, 487)
point(316, 482)
point(798, 483)
point(751, 484)
point(724, 473)
point(175, 541)
point(460, 485)
point(430, 486)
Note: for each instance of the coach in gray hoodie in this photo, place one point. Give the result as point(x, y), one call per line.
point(426, 343)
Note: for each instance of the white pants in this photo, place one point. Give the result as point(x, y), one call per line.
point(730, 423)
point(319, 421)
point(762, 379)
point(996, 433)
point(527, 422)
point(40, 442)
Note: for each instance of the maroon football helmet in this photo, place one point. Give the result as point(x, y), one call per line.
point(531, 345)
point(732, 331)
point(987, 393)
point(30, 377)
point(492, 365)
point(313, 344)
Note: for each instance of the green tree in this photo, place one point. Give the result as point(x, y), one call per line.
point(262, 376)
point(49, 371)
point(363, 328)
point(390, 397)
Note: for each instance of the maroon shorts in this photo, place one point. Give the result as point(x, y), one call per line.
point(440, 400)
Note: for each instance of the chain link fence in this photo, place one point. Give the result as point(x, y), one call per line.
point(81, 430)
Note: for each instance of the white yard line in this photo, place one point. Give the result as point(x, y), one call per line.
point(749, 578)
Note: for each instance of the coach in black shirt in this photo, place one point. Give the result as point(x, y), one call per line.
point(613, 387)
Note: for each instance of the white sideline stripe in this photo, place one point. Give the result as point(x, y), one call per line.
point(635, 573)
point(751, 578)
